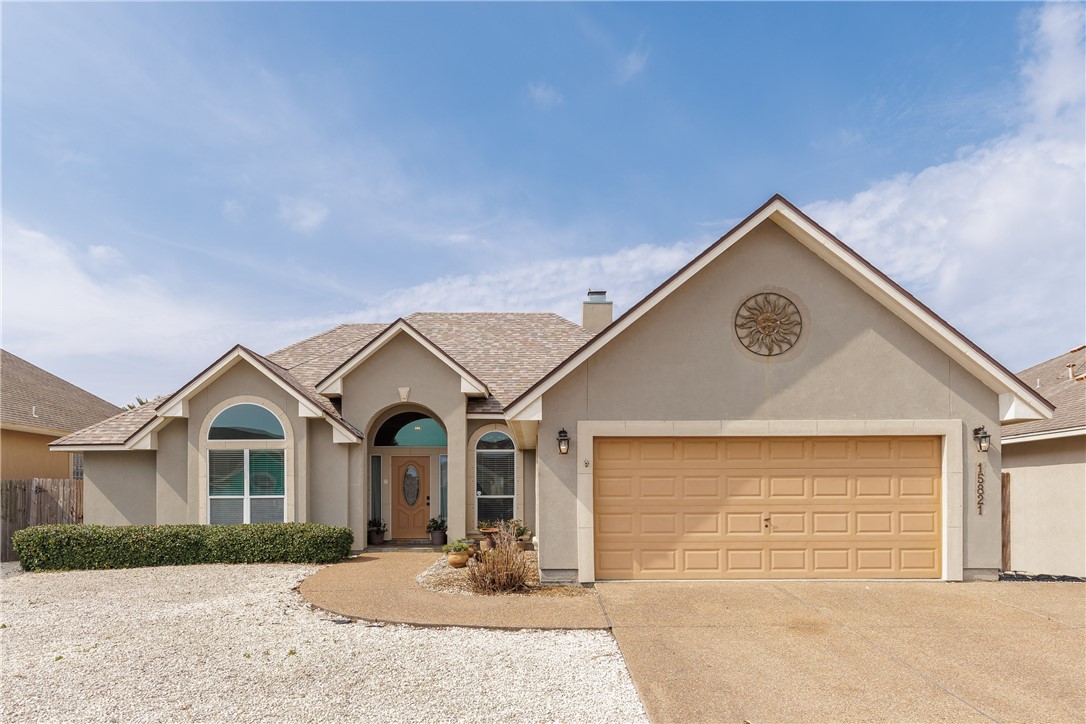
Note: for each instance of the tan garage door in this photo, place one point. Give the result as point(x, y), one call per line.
point(821, 507)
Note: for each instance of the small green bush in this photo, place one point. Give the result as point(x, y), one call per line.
point(82, 547)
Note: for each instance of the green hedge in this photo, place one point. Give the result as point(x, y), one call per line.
point(71, 547)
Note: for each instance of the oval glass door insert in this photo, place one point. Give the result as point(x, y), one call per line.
point(411, 485)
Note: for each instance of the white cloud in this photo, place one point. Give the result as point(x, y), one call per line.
point(557, 285)
point(302, 215)
point(994, 240)
point(103, 253)
point(631, 64)
point(233, 211)
point(545, 96)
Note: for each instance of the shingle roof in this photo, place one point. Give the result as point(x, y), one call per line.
point(306, 390)
point(32, 397)
point(1066, 391)
point(113, 430)
point(312, 359)
point(507, 351)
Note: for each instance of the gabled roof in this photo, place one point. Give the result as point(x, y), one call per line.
point(1016, 400)
point(312, 359)
point(33, 399)
point(1062, 380)
point(129, 429)
point(112, 432)
point(499, 354)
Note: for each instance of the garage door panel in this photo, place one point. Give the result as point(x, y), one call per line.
point(861, 508)
point(614, 487)
point(743, 488)
point(701, 523)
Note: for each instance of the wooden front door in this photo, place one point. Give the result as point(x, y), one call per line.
point(410, 497)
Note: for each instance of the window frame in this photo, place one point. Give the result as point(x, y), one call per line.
point(208, 445)
point(516, 471)
point(246, 496)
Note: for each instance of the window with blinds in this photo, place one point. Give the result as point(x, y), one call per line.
point(495, 477)
point(246, 486)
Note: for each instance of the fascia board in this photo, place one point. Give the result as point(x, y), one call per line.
point(15, 427)
point(532, 410)
point(1045, 435)
point(88, 448)
point(852, 268)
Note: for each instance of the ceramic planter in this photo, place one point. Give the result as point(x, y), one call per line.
point(438, 537)
point(457, 559)
point(375, 537)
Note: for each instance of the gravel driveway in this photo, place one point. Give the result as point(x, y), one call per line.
point(236, 643)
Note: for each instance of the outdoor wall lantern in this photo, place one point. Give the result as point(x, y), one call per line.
point(983, 439)
point(563, 442)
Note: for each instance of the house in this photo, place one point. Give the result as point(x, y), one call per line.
point(36, 407)
point(1044, 466)
point(778, 408)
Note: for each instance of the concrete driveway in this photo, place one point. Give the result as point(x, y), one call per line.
point(789, 652)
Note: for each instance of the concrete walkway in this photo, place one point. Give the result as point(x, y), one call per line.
point(843, 651)
point(381, 587)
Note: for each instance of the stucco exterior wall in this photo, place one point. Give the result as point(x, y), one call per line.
point(119, 488)
point(25, 455)
point(682, 361)
point(1048, 505)
point(328, 477)
point(243, 383)
point(373, 388)
point(171, 478)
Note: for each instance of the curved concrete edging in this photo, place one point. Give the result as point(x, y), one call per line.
point(381, 588)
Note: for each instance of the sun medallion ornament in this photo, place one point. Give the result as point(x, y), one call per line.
point(768, 324)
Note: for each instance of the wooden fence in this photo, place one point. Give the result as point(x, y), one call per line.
point(39, 501)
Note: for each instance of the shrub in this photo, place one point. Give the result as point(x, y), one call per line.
point(502, 569)
point(75, 547)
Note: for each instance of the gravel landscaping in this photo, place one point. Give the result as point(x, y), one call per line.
point(237, 643)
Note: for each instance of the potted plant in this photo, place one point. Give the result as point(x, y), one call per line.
point(456, 553)
point(522, 533)
point(488, 528)
point(375, 532)
point(437, 528)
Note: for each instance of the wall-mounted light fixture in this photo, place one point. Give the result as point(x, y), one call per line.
point(982, 438)
point(563, 442)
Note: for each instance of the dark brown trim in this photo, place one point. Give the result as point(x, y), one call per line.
point(1005, 489)
point(849, 250)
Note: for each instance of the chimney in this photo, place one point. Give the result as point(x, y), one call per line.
point(596, 312)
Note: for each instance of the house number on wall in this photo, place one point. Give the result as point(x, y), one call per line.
point(980, 488)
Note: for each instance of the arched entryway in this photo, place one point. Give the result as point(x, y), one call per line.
point(408, 471)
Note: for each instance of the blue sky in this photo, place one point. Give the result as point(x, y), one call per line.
point(194, 175)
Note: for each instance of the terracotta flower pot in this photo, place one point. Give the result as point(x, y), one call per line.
point(488, 542)
point(457, 559)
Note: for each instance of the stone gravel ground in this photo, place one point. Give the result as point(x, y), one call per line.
point(238, 644)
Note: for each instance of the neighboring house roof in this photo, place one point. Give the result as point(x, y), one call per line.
point(1016, 400)
point(33, 399)
point(1062, 380)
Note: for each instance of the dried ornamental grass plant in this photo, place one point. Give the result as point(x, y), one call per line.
point(502, 569)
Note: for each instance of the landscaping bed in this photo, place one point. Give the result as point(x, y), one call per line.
point(443, 578)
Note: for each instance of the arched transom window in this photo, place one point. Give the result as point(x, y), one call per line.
point(246, 484)
point(495, 477)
